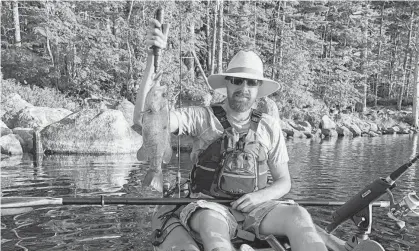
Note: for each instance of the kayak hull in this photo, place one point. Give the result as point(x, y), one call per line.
point(178, 238)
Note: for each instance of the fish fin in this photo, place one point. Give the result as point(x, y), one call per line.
point(142, 154)
point(167, 154)
point(154, 179)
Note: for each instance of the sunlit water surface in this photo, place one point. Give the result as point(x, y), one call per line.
point(321, 169)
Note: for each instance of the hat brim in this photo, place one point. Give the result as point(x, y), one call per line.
point(217, 82)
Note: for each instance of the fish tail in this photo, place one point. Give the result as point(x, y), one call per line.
point(154, 178)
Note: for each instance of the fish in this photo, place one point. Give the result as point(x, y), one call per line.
point(156, 147)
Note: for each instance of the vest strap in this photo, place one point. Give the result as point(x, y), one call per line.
point(221, 115)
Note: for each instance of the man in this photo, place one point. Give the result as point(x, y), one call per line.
point(233, 148)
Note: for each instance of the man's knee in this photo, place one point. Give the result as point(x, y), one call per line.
point(300, 217)
point(206, 218)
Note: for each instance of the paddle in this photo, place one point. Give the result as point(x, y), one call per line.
point(17, 202)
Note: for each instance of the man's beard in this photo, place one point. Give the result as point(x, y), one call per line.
point(240, 102)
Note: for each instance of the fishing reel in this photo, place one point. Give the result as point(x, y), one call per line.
point(169, 190)
point(407, 207)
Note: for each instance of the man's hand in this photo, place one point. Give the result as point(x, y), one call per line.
point(248, 202)
point(156, 36)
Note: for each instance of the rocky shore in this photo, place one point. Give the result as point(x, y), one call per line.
point(109, 129)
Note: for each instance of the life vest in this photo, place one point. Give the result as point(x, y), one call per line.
point(233, 164)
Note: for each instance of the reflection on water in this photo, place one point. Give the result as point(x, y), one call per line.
point(321, 169)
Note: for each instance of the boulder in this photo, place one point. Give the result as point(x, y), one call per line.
point(355, 130)
point(327, 123)
point(393, 129)
point(284, 125)
point(372, 134)
point(343, 131)
point(304, 126)
point(91, 131)
point(374, 127)
point(299, 134)
point(127, 109)
point(331, 133)
point(404, 131)
point(10, 145)
point(317, 133)
point(32, 117)
point(26, 138)
point(11, 106)
point(4, 129)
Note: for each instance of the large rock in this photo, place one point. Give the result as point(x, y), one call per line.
point(285, 126)
point(304, 126)
point(26, 138)
point(343, 131)
point(355, 130)
point(374, 127)
point(33, 117)
point(91, 131)
point(327, 123)
point(127, 109)
point(10, 145)
point(4, 129)
point(10, 107)
point(331, 133)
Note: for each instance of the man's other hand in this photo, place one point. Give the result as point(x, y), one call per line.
point(248, 202)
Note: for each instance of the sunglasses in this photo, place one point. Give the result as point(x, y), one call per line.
point(239, 81)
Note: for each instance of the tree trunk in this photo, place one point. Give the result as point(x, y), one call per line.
point(377, 79)
point(256, 24)
point(201, 70)
point(415, 112)
point(407, 51)
point(364, 56)
point(220, 36)
point(275, 40)
point(208, 34)
point(392, 63)
point(214, 40)
point(192, 48)
point(18, 42)
point(281, 38)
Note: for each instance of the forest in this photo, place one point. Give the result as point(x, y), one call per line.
point(334, 54)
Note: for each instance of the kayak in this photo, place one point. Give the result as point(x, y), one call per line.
point(176, 238)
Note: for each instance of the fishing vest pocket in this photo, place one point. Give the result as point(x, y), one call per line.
point(238, 174)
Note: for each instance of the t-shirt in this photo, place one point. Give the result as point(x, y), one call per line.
point(204, 127)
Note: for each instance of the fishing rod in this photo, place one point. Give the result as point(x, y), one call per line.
point(358, 207)
point(18, 202)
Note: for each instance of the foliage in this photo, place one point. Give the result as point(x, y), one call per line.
point(322, 52)
point(44, 97)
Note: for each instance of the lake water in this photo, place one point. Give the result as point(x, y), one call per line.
point(321, 169)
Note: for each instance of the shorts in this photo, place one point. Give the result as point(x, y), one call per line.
point(250, 222)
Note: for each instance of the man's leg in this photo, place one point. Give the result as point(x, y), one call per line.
point(213, 230)
point(295, 223)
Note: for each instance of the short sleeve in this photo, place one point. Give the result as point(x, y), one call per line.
point(278, 152)
point(192, 120)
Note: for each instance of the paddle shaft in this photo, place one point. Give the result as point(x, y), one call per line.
point(15, 202)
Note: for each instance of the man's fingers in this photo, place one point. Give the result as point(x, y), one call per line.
point(157, 43)
point(237, 202)
point(154, 23)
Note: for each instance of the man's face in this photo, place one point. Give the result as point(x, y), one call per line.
point(241, 93)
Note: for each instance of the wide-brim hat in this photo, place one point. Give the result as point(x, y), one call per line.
point(245, 64)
